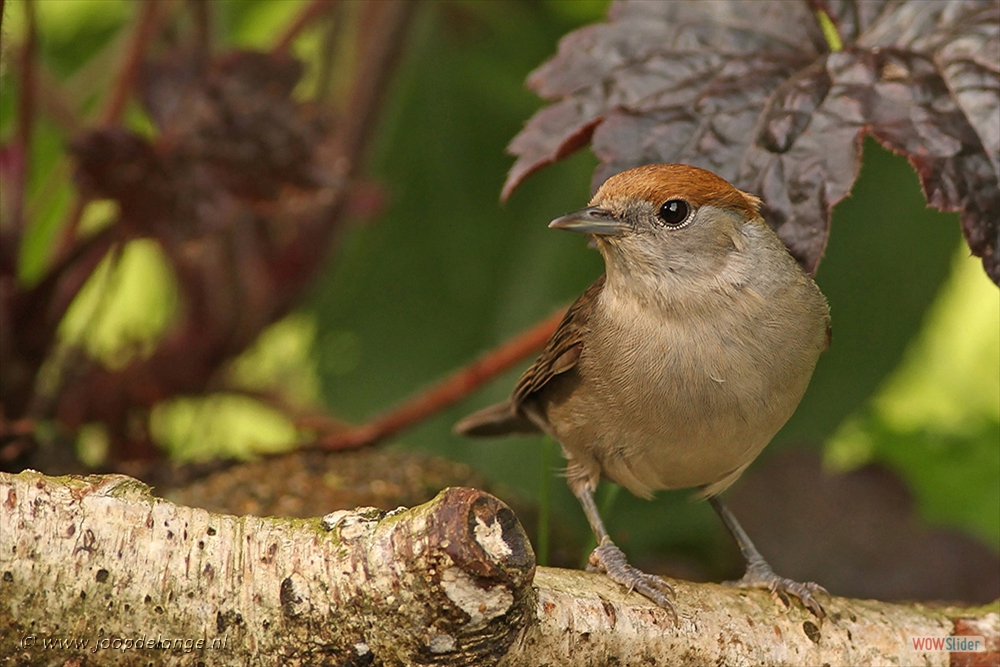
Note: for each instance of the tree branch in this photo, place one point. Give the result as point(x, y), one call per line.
point(448, 391)
point(100, 558)
point(115, 575)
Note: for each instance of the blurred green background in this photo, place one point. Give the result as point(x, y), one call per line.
point(912, 379)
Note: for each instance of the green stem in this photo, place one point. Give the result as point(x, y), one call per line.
point(829, 30)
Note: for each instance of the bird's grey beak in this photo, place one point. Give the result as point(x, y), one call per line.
point(590, 220)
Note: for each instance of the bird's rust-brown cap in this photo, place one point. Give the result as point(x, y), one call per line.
point(656, 183)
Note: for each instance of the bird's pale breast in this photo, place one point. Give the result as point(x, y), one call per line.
point(690, 398)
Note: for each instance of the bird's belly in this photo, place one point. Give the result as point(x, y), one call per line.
point(661, 446)
point(674, 415)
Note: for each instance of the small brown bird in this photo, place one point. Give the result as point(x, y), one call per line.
point(676, 367)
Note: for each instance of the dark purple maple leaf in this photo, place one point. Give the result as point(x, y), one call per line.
point(755, 92)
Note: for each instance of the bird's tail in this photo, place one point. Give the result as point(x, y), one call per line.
point(496, 420)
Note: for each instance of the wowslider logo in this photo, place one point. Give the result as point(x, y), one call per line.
point(960, 644)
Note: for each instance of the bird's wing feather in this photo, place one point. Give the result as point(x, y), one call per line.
point(564, 347)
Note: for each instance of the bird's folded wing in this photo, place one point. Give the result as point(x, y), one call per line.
point(564, 347)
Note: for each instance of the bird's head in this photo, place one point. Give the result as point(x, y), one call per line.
point(668, 222)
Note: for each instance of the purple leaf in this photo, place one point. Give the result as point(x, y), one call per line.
point(753, 91)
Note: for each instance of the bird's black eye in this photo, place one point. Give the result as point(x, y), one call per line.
point(675, 212)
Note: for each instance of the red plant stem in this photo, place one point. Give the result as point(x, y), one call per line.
point(309, 13)
point(382, 33)
point(447, 392)
point(149, 20)
point(382, 47)
point(53, 102)
point(25, 124)
point(142, 35)
point(67, 237)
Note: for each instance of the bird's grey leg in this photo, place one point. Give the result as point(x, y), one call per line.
point(586, 497)
point(610, 560)
point(759, 574)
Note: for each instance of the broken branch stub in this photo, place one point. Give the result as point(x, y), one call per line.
point(453, 579)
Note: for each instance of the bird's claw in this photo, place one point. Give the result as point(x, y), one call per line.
point(610, 560)
point(760, 575)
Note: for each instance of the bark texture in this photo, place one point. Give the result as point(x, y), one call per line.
point(98, 571)
point(100, 558)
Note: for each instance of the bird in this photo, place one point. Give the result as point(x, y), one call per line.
point(679, 364)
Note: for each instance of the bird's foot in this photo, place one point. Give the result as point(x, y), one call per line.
point(610, 560)
point(760, 575)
